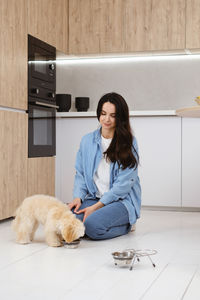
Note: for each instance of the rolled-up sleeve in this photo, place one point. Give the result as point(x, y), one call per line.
point(121, 187)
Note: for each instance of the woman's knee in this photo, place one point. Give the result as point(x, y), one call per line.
point(93, 230)
point(97, 231)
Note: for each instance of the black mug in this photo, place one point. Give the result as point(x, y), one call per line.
point(64, 102)
point(82, 103)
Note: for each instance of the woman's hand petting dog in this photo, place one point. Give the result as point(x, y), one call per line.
point(75, 203)
point(90, 209)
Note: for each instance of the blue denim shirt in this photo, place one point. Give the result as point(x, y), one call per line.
point(124, 184)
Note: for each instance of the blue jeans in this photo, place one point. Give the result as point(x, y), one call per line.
point(107, 222)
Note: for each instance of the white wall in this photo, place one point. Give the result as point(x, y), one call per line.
point(151, 83)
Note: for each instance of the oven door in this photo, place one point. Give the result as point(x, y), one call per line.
point(41, 131)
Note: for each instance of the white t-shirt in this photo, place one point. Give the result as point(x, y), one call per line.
point(102, 175)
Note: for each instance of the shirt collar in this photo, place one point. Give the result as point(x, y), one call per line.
point(98, 136)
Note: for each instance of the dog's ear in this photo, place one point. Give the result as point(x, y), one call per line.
point(69, 234)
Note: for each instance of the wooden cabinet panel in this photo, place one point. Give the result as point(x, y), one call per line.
point(155, 25)
point(48, 21)
point(96, 26)
point(112, 26)
point(13, 161)
point(41, 176)
point(193, 24)
point(13, 53)
point(84, 26)
point(126, 25)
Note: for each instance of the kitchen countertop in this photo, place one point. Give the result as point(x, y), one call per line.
point(137, 113)
point(189, 112)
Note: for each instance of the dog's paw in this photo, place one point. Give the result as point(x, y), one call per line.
point(55, 244)
point(23, 242)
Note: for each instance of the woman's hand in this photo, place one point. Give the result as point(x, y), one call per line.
point(75, 203)
point(90, 209)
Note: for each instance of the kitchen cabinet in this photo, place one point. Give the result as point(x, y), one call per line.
point(13, 54)
point(191, 162)
point(189, 112)
point(13, 161)
point(41, 176)
point(48, 21)
point(159, 140)
point(95, 26)
point(192, 24)
point(67, 145)
point(126, 26)
point(155, 25)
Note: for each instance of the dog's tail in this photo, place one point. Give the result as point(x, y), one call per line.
point(16, 221)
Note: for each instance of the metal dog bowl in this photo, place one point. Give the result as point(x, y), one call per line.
point(73, 244)
point(129, 256)
point(123, 258)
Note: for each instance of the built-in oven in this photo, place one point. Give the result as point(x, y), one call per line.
point(41, 131)
point(41, 98)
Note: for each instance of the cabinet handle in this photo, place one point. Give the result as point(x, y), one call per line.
point(45, 104)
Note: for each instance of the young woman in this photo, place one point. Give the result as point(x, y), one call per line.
point(107, 193)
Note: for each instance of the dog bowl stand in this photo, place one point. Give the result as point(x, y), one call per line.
point(137, 256)
point(133, 255)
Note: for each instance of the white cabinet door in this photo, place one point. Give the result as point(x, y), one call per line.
point(69, 132)
point(191, 162)
point(159, 140)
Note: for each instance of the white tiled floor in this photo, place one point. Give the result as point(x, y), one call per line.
point(36, 271)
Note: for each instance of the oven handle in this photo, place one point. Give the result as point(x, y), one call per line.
point(45, 104)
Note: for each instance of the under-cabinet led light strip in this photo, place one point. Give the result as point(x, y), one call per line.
point(127, 59)
point(120, 59)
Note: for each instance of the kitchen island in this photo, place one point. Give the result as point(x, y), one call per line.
point(189, 112)
point(165, 172)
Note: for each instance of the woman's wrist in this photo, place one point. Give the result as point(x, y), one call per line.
point(98, 205)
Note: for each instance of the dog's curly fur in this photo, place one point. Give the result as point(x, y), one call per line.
point(59, 222)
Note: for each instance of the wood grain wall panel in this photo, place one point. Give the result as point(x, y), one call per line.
point(112, 26)
point(84, 26)
point(192, 24)
point(155, 25)
point(13, 161)
point(13, 53)
point(41, 176)
point(48, 21)
point(117, 26)
point(96, 26)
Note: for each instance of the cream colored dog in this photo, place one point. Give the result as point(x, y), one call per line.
point(59, 222)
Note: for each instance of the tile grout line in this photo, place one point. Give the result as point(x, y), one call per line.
point(153, 282)
point(187, 287)
point(92, 273)
point(82, 279)
point(110, 288)
point(12, 263)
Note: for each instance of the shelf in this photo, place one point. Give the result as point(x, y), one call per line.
point(137, 113)
point(189, 112)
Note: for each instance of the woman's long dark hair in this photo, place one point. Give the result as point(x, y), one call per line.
point(121, 146)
